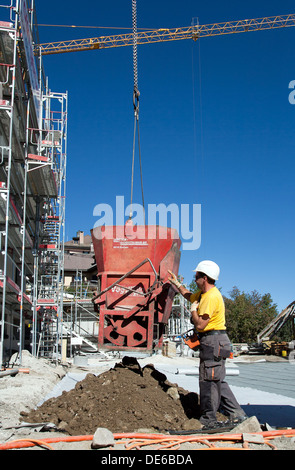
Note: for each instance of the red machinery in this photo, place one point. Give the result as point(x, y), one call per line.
point(135, 299)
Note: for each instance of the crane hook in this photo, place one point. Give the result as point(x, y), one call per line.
point(136, 95)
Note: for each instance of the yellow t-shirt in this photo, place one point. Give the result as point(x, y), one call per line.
point(211, 304)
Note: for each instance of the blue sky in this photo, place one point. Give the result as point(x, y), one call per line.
point(216, 129)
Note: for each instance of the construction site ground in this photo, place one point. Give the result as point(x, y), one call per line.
point(146, 395)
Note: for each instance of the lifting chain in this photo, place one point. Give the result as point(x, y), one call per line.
point(136, 109)
point(135, 71)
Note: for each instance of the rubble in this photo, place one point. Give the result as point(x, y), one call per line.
point(126, 398)
point(250, 425)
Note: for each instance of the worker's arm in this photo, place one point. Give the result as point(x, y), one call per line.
point(200, 322)
point(183, 291)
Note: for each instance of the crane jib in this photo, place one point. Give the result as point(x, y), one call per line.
point(162, 35)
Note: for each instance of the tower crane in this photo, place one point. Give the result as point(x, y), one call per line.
point(162, 35)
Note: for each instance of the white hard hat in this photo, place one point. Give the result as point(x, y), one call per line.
point(209, 268)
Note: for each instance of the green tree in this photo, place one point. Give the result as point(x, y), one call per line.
point(247, 314)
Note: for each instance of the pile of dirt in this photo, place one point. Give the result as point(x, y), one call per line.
point(126, 398)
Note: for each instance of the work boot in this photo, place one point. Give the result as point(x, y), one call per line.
point(235, 420)
point(212, 425)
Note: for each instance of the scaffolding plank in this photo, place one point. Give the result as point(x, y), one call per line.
point(39, 158)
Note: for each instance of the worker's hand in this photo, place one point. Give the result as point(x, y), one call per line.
point(173, 279)
point(194, 306)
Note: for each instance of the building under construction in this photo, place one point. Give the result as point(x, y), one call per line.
point(33, 154)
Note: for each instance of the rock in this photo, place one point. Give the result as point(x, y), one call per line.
point(102, 438)
point(253, 438)
point(250, 425)
point(173, 393)
point(267, 427)
point(62, 426)
point(192, 424)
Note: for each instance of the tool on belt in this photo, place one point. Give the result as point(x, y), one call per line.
point(191, 338)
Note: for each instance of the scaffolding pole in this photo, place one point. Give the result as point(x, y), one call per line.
point(10, 110)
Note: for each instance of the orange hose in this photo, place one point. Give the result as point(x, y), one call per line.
point(171, 445)
point(141, 439)
point(139, 435)
point(22, 443)
point(140, 443)
point(209, 444)
point(271, 445)
point(268, 434)
point(33, 441)
point(224, 448)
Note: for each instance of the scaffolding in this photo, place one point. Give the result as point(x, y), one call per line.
point(80, 322)
point(33, 154)
point(179, 322)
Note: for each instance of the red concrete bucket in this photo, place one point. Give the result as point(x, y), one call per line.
point(135, 299)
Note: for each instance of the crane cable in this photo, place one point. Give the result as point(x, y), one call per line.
point(136, 95)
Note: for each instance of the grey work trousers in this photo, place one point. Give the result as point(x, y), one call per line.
point(215, 393)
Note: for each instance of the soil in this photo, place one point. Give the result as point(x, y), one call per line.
point(126, 398)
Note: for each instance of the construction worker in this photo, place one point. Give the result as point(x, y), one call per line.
point(208, 318)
